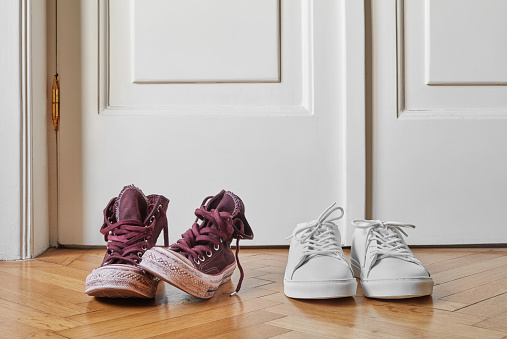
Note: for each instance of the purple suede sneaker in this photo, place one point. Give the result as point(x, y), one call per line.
point(132, 224)
point(203, 260)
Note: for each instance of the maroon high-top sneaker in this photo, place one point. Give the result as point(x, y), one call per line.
point(132, 224)
point(203, 260)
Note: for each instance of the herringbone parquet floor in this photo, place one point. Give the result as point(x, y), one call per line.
point(45, 298)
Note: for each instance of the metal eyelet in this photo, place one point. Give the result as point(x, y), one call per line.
point(136, 261)
point(203, 258)
point(145, 240)
point(209, 254)
point(197, 262)
point(216, 248)
point(139, 254)
point(159, 207)
point(152, 218)
point(144, 248)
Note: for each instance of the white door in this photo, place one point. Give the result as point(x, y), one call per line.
point(439, 128)
point(186, 97)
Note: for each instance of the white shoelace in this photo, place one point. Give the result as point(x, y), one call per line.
point(318, 236)
point(384, 240)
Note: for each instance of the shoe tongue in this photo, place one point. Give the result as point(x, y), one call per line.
point(131, 204)
point(227, 203)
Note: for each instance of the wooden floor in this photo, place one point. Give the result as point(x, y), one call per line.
point(45, 298)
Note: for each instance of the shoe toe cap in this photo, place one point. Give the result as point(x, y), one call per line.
point(394, 268)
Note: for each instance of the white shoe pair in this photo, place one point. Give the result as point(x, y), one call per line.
point(317, 268)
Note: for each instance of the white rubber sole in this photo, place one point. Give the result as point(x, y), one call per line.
point(162, 264)
point(320, 289)
point(120, 281)
point(395, 288)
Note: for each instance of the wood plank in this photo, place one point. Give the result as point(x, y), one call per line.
point(246, 323)
point(271, 269)
point(176, 301)
point(15, 329)
point(434, 301)
point(332, 329)
point(471, 281)
point(272, 277)
point(34, 318)
point(429, 256)
point(463, 261)
point(296, 335)
point(84, 265)
point(45, 273)
point(25, 285)
point(276, 287)
point(499, 262)
point(348, 325)
point(364, 307)
point(42, 302)
point(498, 323)
point(253, 332)
point(163, 320)
point(248, 282)
point(479, 293)
point(45, 334)
point(489, 308)
point(61, 256)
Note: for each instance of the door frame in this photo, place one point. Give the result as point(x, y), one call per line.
point(353, 18)
point(25, 185)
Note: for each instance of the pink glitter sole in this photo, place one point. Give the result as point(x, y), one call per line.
point(180, 274)
point(120, 281)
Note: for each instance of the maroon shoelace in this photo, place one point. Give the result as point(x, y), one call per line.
point(215, 227)
point(127, 240)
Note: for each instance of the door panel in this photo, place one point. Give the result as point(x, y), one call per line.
point(200, 40)
point(445, 67)
point(260, 112)
point(468, 48)
point(216, 74)
point(439, 118)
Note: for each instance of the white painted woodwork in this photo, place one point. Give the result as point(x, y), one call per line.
point(466, 42)
point(52, 156)
point(205, 41)
point(438, 152)
point(280, 146)
point(119, 95)
point(42, 125)
point(353, 70)
point(416, 97)
point(23, 174)
point(10, 131)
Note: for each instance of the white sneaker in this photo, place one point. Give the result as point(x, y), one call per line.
point(384, 263)
point(316, 268)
